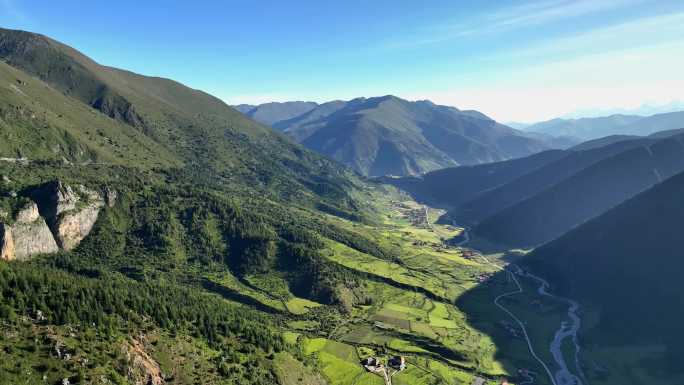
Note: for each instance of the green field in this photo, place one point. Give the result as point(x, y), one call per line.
point(409, 309)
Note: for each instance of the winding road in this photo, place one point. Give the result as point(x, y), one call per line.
point(516, 319)
point(563, 375)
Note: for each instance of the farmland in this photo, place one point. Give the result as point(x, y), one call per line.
point(408, 307)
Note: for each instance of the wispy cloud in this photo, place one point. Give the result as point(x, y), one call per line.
point(645, 31)
point(542, 12)
point(510, 18)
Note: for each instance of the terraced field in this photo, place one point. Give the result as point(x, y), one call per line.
point(409, 308)
point(406, 306)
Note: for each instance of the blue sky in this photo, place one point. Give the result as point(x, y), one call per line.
point(514, 60)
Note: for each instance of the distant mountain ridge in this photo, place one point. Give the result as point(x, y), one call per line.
point(271, 113)
point(585, 194)
point(392, 136)
point(529, 201)
point(594, 128)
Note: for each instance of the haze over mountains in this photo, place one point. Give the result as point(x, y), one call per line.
point(391, 136)
point(530, 201)
point(271, 113)
point(152, 234)
point(594, 128)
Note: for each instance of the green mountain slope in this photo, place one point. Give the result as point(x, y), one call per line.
point(585, 194)
point(211, 211)
point(625, 268)
point(456, 185)
point(493, 201)
point(39, 122)
point(390, 136)
point(201, 132)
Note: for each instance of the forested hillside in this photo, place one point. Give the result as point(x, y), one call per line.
point(194, 191)
point(391, 136)
point(586, 194)
point(161, 121)
point(625, 266)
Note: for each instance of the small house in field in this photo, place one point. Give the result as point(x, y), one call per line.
point(398, 363)
point(372, 364)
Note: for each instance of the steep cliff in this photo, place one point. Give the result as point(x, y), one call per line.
point(6, 243)
point(70, 212)
point(30, 235)
point(57, 217)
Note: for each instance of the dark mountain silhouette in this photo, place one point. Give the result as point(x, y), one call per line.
point(586, 194)
point(624, 266)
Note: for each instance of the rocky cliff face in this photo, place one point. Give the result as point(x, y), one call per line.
point(71, 212)
point(58, 217)
point(72, 226)
point(30, 235)
point(142, 369)
point(6, 243)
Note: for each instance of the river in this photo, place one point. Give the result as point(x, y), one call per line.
point(568, 329)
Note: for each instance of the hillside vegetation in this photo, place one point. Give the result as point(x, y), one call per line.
point(586, 194)
point(625, 266)
point(196, 132)
point(391, 136)
point(220, 251)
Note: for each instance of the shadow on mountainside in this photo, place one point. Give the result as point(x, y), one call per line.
point(511, 347)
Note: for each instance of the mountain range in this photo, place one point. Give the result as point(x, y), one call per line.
point(527, 202)
point(134, 211)
point(594, 128)
point(271, 113)
point(391, 136)
point(152, 234)
point(625, 259)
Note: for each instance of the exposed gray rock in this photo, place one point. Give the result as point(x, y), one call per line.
point(70, 212)
point(72, 226)
point(31, 235)
point(62, 217)
point(6, 243)
point(28, 214)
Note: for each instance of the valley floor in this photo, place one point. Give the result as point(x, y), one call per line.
point(439, 305)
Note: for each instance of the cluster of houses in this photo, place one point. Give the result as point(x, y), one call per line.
point(375, 365)
point(484, 277)
point(415, 215)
